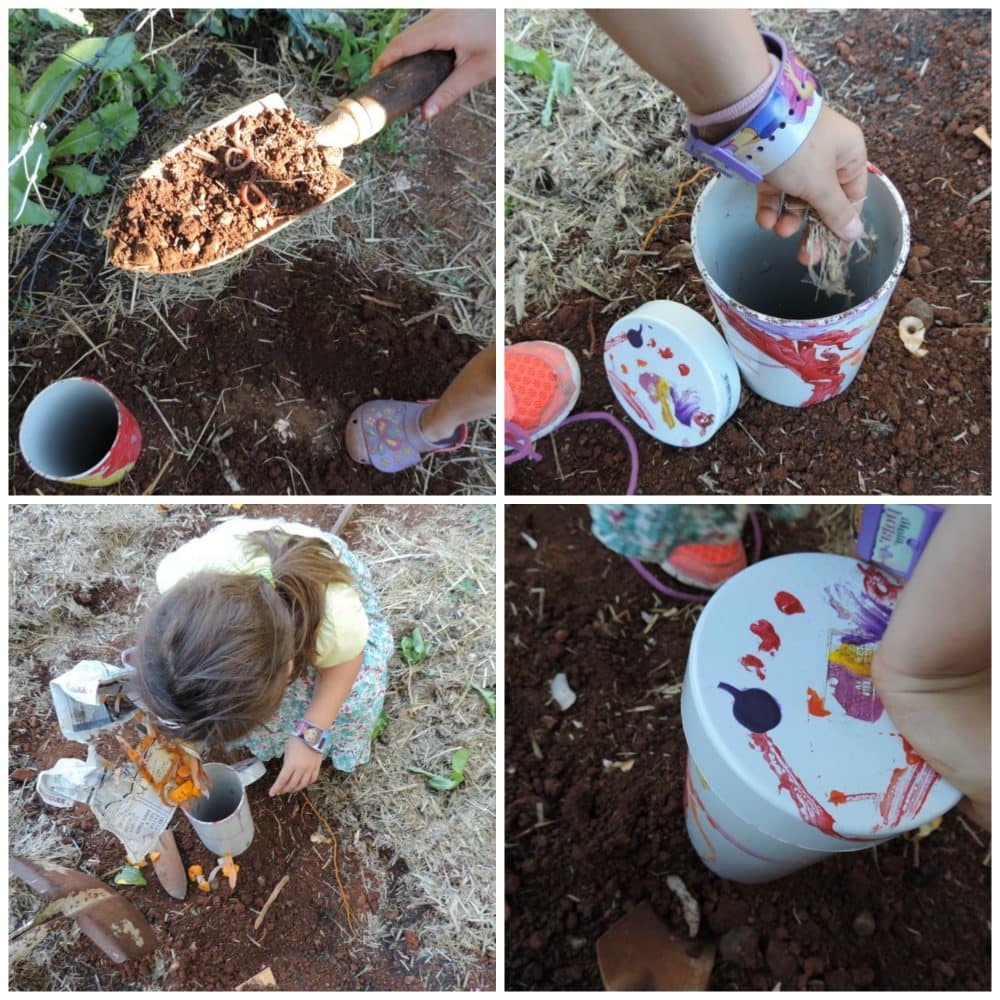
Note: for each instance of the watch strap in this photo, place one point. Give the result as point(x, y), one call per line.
point(304, 730)
point(775, 130)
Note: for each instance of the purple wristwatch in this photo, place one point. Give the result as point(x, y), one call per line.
point(775, 130)
point(895, 534)
point(315, 738)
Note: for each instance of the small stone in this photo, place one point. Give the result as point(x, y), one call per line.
point(913, 268)
point(561, 635)
point(864, 924)
point(920, 250)
point(781, 961)
point(921, 309)
point(26, 774)
point(412, 939)
point(739, 946)
point(863, 977)
point(844, 51)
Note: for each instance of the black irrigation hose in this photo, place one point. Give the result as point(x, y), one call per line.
point(69, 212)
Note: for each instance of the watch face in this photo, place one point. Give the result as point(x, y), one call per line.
point(312, 734)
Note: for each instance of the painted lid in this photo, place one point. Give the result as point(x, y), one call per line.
point(780, 712)
point(672, 372)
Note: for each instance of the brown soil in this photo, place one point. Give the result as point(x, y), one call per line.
point(907, 424)
point(267, 169)
point(209, 939)
point(584, 844)
point(272, 371)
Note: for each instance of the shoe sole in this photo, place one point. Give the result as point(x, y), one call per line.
point(574, 367)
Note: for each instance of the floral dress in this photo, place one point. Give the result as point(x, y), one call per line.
point(650, 532)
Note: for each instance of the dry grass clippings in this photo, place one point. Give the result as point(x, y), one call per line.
point(829, 275)
point(433, 567)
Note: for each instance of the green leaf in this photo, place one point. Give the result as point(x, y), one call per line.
point(522, 60)
point(171, 95)
point(112, 127)
point(439, 783)
point(79, 180)
point(28, 165)
point(413, 648)
point(489, 697)
point(562, 83)
point(144, 76)
point(380, 725)
point(130, 875)
point(466, 586)
point(98, 54)
point(22, 211)
point(66, 17)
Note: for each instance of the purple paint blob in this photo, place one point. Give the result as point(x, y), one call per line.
point(635, 336)
point(685, 405)
point(754, 708)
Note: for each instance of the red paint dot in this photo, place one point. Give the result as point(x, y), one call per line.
point(684, 370)
point(788, 604)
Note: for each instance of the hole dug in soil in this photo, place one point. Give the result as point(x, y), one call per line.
point(271, 371)
point(585, 843)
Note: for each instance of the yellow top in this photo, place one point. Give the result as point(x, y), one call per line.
point(343, 632)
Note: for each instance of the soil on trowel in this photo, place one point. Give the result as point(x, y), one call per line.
point(587, 841)
point(225, 188)
point(918, 84)
point(258, 385)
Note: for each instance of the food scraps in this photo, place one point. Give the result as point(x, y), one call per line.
point(911, 333)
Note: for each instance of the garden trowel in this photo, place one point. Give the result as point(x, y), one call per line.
point(396, 91)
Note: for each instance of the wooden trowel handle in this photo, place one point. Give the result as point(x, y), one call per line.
point(405, 85)
point(396, 91)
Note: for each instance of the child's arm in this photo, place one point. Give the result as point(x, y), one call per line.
point(333, 684)
point(713, 58)
point(932, 668)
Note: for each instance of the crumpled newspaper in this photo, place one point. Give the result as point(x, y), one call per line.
point(89, 699)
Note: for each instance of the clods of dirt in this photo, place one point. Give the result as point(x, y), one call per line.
point(224, 189)
point(906, 425)
point(587, 842)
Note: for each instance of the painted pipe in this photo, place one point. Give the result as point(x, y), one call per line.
point(793, 345)
point(791, 755)
point(77, 431)
point(222, 818)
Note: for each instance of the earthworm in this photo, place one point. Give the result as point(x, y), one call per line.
point(259, 199)
point(237, 159)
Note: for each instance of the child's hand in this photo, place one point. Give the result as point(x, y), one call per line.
point(828, 172)
point(301, 768)
point(472, 35)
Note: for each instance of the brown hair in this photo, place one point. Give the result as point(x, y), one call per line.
point(213, 649)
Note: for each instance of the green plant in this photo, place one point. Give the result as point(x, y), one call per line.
point(123, 81)
point(489, 697)
point(413, 648)
point(556, 73)
point(380, 725)
point(439, 783)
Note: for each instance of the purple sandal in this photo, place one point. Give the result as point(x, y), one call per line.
point(386, 433)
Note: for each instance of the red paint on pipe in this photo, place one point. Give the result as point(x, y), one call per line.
point(752, 662)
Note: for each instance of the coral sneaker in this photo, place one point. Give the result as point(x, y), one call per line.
point(705, 564)
point(541, 387)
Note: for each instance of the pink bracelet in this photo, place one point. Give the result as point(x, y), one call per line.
point(743, 107)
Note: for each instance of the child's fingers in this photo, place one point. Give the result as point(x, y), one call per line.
point(417, 38)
